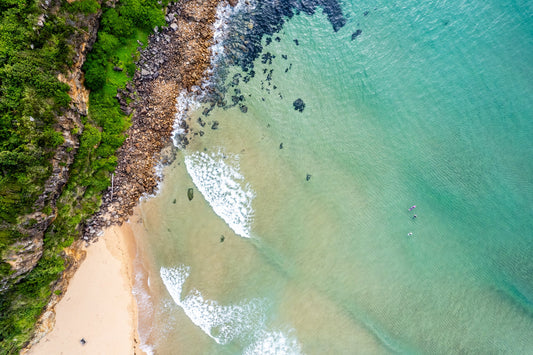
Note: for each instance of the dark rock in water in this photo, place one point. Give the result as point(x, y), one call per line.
point(222, 238)
point(236, 99)
point(269, 76)
point(281, 146)
point(296, 42)
point(214, 125)
point(356, 34)
point(190, 193)
point(267, 58)
point(308, 177)
point(174, 202)
point(246, 30)
point(299, 105)
point(289, 68)
point(201, 133)
point(201, 122)
point(243, 108)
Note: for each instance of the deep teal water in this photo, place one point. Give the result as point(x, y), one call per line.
point(431, 105)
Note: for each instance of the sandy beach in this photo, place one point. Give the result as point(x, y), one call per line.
point(98, 305)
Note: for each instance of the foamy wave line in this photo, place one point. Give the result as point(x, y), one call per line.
point(245, 321)
point(274, 343)
point(144, 305)
point(222, 323)
point(185, 102)
point(217, 177)
point(190, 101)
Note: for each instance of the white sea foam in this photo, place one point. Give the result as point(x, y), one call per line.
point(185, 102)
point(144, 306)
point(217, 177)
point(220, 322)
point(274, 343)
point(221, 25)
point(244, 322)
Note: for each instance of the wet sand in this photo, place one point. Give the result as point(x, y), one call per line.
point(98, 305)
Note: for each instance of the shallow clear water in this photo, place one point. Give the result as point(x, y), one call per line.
point(430, 105)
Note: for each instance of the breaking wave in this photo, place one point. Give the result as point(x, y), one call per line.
point(244, 321)
point(217, 177)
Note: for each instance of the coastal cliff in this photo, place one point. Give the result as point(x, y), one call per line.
point(41, 129)
point(69, 204)
point(24, 254)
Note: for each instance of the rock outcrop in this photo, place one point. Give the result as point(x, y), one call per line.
point(177, 58)
point(24, 254)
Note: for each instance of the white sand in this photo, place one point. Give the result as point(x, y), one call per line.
point(98, 305)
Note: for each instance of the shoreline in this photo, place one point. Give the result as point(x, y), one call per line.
point(98, 305)
point(177, 59)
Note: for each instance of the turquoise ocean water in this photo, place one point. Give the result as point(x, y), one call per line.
point(299, 237)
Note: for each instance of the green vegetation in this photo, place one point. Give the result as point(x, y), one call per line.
point(83, 6)
point(31, 98)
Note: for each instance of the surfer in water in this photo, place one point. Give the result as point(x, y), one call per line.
point(412, 208)
point(409, 234)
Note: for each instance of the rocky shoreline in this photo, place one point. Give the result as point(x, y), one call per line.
point(177, 58)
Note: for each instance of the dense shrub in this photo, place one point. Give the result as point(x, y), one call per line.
point(31, 97)
point(83, 6)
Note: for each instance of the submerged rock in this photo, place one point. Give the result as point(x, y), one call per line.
point(356, 34)
point(299, 105)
